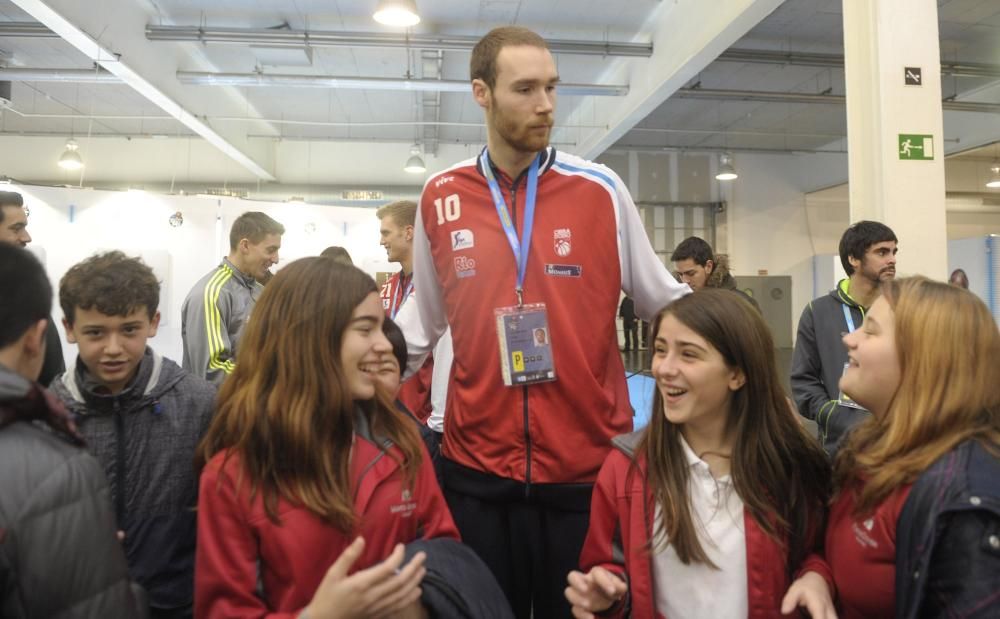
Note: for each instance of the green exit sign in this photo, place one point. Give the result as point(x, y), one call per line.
point(916, 146)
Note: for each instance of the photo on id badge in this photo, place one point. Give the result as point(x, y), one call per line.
point(525, 345)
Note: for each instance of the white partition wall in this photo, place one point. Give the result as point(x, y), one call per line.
point(69, 224)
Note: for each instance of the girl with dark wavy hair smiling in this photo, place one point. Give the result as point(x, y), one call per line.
point(307, 471)
point(713, 508)
point(915, 525)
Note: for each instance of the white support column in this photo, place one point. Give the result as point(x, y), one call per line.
point(896, 179)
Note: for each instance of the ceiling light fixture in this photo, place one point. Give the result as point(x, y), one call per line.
point(726, 170)
point(114, 63)
point(415, 164)
point(994, 182)
point(70, 159)
point(397, 13)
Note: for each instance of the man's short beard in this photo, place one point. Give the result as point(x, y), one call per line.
point(506, 130)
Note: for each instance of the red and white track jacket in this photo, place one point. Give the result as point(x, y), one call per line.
point(621, 526)
point(588, 244)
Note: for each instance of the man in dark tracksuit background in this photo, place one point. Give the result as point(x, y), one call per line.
point(868, 255)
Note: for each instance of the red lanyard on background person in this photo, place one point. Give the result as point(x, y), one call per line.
point(396, 300)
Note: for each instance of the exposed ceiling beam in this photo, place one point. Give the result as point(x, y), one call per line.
point(642, 148)
point(679, 53)
point(68, 76)
point(305, 38)
point(760, 96)
point(26, 29)
point(429, 108)
point(287, 37)
point(836, 61)
point(110, 61)
point(277, 80)
point(738, 132)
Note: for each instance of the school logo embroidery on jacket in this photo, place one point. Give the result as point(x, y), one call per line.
point(561, 241)
point(862, 533)
point(406, 505)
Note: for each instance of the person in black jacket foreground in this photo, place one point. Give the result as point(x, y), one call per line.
point(914, 529)
point(59, 555)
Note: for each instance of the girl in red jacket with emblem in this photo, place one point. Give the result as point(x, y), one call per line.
point(914, 528)
point(713, 508)
point(310, 481)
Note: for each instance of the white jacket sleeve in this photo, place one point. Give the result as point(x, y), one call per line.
point(440, 377)
point(644, 278)
point(422, 318)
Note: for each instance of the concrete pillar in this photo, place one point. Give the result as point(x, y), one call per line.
point(894, 126)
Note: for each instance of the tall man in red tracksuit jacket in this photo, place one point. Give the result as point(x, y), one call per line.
point(526, 431)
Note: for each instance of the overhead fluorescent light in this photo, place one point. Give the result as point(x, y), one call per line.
point(399, 13)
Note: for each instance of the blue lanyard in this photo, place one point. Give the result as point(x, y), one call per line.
point(848, 318)
point(396, 301)
point(522, 246)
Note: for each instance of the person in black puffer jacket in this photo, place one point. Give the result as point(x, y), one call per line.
point(59, 556)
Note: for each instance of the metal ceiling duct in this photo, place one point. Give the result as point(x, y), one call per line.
point(836, 61)
point(318, 38)
point(762, 96)
point(69, 76)
point(276, 80)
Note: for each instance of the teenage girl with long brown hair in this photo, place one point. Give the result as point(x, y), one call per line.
point(310, 480)
point(712, 509)
point(915, 525)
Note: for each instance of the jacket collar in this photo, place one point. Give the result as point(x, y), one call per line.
point(23, 400)
point(13, 386)
point(85, 389)
point(243, 278)
point(628, 443)
point(842, 294)
point(548, 160)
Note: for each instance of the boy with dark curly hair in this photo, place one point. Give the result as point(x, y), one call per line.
point(142, 416)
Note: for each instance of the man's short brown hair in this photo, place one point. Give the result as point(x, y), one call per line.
point(483, 65)
point(403, 212)
point(10, 198)
point(112, 283)
point(253, 226)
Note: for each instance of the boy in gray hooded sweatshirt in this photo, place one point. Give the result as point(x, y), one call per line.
point(142, 417)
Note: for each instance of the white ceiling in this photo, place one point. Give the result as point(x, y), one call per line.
point(341, 137)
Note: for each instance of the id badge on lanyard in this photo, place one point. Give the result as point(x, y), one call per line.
point(522, 330)
point(844, 399)
point(525, 349)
